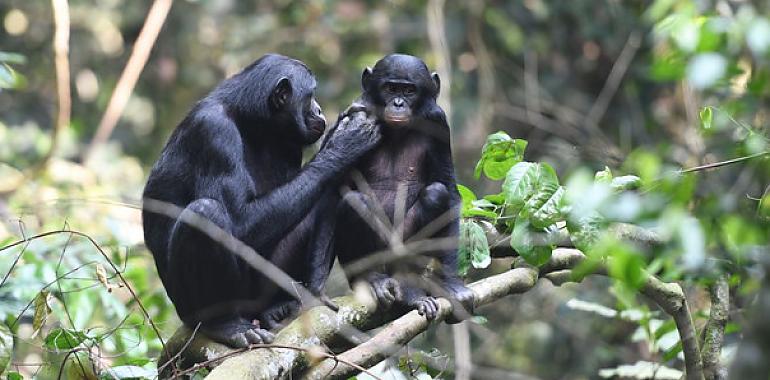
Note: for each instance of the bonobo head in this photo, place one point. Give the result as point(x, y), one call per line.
point(279, 91)
point(399, 86)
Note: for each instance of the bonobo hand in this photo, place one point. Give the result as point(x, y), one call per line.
point(355, 134)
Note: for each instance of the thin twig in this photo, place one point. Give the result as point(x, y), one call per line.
point(613, 81)
point(61, 52)
point(109, 261)
point(723, 163)
point(136, 62)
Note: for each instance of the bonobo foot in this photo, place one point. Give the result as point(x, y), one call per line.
point(326, 301)
point(387, 290)
point(462, 299)
point(237, 333)
point(272, 317)
point(426, 306)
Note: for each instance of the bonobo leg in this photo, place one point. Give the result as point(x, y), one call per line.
point(432, 206)
point(359, 233)
point(207, 282)
point(306, 253)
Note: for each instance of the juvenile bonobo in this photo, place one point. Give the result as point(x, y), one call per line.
point(414, 154)
point(235, 160)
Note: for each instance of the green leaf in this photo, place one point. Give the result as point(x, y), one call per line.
point(671, 354)
point(42, 310)
point(7, 77)
point(477, 212)
point(466, 195)
point(479, 319)
point(7, 57)
point(499, 154)
point(10, 78)
point(497, 199)
point(626, 182)
point(14, 376)
point(529, 244)
point(545, 213)
point(64, 339)
point(706, 117)
point(665, 328)
point(519, 184)
point(604, 176)
point(628, 267)
point(584, 230)
point(483, 203)
point(473, 247)
point(129, 372)
point(6, 346)
point(543, 207)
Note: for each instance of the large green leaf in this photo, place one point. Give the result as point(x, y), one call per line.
point(64, 339)
point(519, 184)
point(466, 195)
point(545, 209)
point(499, 154)
point(533, 189)
point(584, 230)
point(530, 244)
point(473, 247)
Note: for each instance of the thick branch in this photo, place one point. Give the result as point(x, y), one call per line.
point(320, 326)
point(394, 336)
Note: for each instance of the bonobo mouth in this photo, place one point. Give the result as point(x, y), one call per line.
point(318, 128)
point(397, 121)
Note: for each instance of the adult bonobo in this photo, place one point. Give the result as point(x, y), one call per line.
point(414, 155)
point(236, 161)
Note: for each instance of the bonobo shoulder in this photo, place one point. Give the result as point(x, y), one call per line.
point(436, 114)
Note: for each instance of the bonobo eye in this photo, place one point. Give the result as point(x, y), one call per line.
point(410, 89)
point(390, 88)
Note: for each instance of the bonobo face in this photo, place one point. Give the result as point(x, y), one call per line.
point(397, 86)
point(295, 105)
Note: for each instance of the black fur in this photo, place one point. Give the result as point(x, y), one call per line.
point(235, 160)
point(415, 153)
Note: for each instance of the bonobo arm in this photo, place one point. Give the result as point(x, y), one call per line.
point(267, 218)
point(441, 170)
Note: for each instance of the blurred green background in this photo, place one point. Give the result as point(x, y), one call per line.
point(643, 87)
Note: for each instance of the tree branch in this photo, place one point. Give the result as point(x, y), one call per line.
point(156, 17)
point(714, 332)
point(319, 327)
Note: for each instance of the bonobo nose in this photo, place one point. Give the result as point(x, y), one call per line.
point(398, 102)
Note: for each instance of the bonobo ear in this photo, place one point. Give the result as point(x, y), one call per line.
point(281, 93)
point(436, 81)
point(366, 76)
